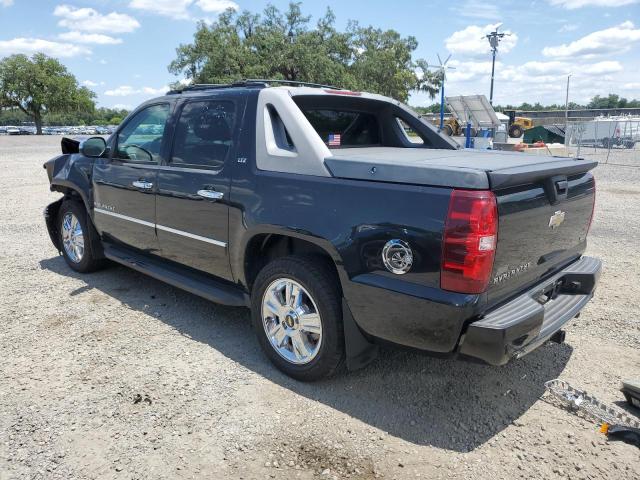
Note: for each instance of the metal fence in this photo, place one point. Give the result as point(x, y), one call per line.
point(611, 140)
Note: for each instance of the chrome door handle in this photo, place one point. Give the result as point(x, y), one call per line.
point(142, 184)
point(211, 194)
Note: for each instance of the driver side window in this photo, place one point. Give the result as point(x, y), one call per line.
point(141, 138)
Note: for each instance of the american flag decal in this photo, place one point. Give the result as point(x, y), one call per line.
point(334, 139)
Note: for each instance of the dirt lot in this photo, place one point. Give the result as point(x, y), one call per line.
point(115, 375)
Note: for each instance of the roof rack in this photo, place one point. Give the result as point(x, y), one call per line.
point(249, 82)
point(201, 86)
point(290, 82)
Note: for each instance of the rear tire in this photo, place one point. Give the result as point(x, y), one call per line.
point(78, 238)
point(447, 130)
point(298, 301)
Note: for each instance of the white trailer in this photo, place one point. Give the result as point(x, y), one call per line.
point(605, 132)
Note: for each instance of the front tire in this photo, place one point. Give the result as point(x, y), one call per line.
point(297, 316)
point(515, 131)
point(78, 239)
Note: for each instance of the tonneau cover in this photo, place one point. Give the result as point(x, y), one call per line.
point(473, 169)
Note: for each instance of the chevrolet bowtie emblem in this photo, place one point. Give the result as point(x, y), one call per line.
point(556, 219)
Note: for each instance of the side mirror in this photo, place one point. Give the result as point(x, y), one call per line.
point(93, 147)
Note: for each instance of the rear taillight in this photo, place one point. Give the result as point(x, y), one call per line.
point(593, 207)
point(469, 241)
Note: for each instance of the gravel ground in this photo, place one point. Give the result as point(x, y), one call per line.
point(116, 375)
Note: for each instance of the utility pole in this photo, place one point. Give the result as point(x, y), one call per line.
point(494, 40)
point(566, 103)
point(442, 104)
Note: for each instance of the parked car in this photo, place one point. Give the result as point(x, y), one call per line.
point(338, 227)
point(13, 131)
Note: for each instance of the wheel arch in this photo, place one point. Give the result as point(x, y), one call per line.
point(52, 210)
point(72, 191)
point(263, 246)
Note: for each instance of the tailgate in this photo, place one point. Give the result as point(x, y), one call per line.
point(543, 225)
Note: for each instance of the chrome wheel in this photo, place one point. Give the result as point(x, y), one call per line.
point(72, 237)
point(291, 321)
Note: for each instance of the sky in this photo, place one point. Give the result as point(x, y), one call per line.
point(121, 48)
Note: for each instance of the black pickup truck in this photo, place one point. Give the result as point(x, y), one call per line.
point(340, 218)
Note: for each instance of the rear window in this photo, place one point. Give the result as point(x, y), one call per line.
point(344, 128)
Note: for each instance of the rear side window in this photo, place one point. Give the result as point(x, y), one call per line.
point(344, 128)
point(409, 133)
point(204, 134)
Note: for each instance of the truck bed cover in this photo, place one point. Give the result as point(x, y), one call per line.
point(473, 169)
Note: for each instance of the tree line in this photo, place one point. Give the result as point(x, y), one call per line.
point(95, 116)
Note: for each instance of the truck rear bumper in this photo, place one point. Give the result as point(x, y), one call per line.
point(527, 321)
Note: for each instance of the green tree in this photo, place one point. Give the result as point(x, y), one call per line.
point(433, 108)
point(41, 85)
point(610, 101)
point(287, 46)
point(383, 64)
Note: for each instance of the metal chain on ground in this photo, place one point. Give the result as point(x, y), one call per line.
point(579, 401)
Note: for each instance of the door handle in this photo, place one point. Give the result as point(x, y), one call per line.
point(142, 184)
point(210, 194)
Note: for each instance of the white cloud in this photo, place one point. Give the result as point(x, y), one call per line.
point(121, 91)
point(600, 68)
point(568, 27)
point(97, 38)
point(536, 68)
point(477, 9)
point(471, 41)
point(466, 71)
point(557, 67)
point(89, 83)
point(122, 106)
point(6, 3)
point(539, 80)
point(611, 40)
point(574, 4)
point(469, 74)
point(32, 45)
point(216, 6)
point(177, 9)
point(128, 90)
point(88, 19)
point(155, 91)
